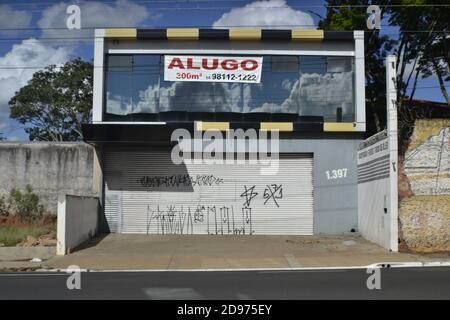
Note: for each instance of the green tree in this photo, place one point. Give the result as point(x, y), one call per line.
point(422, 47)
point(55, 102)
point(24, 204)
point(424, 44)
point(344, 15)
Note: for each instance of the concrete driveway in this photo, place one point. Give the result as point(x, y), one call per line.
point(122, 252)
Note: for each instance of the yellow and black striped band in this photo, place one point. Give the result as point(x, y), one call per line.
point(233, 34)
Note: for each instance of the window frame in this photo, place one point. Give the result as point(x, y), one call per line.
point(161, 53)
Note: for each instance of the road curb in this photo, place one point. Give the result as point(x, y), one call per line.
point(374, 265)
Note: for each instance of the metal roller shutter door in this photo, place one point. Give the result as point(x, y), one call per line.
point(158, 197)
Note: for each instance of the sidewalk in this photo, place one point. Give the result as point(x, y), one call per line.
point(132, 252)
point(20, 258)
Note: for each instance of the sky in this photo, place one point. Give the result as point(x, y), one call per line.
point(33, 33)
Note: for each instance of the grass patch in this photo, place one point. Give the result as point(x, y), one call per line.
point(14, 231)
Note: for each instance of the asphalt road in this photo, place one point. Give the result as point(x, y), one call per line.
point(396, 283)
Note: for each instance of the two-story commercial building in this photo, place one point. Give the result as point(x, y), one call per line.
point(306, 85)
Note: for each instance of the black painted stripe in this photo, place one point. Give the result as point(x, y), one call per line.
point(213, 34)
point(372, 161)
point(376, 165)
point(338, 35)
point(311, 119)
point(383, 162)
point(373, 179)
point(285, 35)
point(297, 127)
point(152, 34)
point(308, 127)
point(373, 171)
point(373, 174)
point(245, 125)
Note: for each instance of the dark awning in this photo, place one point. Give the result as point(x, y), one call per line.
point(107, 133)
point(160, 134)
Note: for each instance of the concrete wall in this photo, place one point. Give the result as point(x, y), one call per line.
point(374, 192)
point(78, 220)
point(425, 223)
point(335, 199)
point(427, 159)
point(50, 168)
point(424, 212)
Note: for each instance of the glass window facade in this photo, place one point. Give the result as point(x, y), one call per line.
point(292, 86)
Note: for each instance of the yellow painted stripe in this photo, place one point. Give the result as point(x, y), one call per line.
point(280, 126)
point(182, 34)
point(221, 126)
point(339, 127)
point(121, 33)
point(245, 34)
point(307, 35)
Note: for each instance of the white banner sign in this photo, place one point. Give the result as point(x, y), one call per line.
point(212, 69)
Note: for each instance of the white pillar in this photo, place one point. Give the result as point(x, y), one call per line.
point(391, 96)
point(99, 56)
point(360, 82)
point(61, 226)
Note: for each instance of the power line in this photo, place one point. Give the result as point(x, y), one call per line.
point(37, 3)
point(157, 66)
point(156, 72)
point(213, 8)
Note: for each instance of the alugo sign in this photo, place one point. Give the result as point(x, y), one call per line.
point(213, 69)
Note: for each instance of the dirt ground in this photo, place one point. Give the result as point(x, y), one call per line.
point(14, 231)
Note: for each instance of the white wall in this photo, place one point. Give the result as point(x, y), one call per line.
point(378, 176)
point(77, 221)
point(373, 222)
point(374, 192)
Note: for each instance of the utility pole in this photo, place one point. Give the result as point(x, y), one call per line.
point(391, 97)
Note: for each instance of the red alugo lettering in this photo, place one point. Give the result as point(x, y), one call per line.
point(244, 65)
point(229, 64)
point(215, 64)
point(190, 64)
point(176, 63)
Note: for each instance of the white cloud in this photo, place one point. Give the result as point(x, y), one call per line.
point(33, 53)
point(14, 138)
point(13, 19)
point(269, 14)
point(3, 123)
point(94, 14)
point(311, 94)
point(18, 65)
point(179, 96)
point(286, 85)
